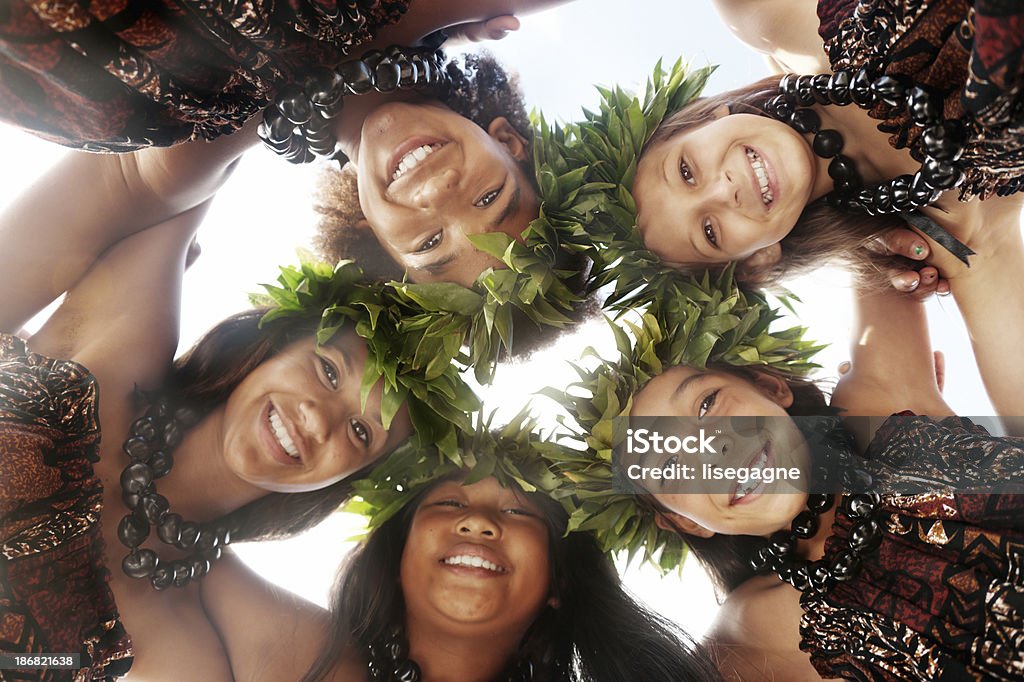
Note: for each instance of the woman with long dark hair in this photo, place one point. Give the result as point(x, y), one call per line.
point(469, 581)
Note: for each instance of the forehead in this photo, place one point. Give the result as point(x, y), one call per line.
point(661, 394)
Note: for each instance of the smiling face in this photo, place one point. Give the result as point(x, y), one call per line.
point(294, 424)
point(476, 561)
point(730, 189)
point(429, 177)
point(714, 400)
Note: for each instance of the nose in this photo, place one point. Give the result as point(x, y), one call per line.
point(315, 420)
point(437, 188)
point(478, 524)
point(723, 192)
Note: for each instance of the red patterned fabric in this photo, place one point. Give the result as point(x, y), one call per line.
point(117, 75)
point(970, 52)
point(54, 593)
point(943, 596)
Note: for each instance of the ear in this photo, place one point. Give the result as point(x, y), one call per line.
point(758, 266)
point(774, 387)
point(506, 134)
point(362, 224)
point(677, 523)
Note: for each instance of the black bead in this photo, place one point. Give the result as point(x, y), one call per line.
point(172, 436)
point(804, 92)
point(200, 567)
point(138, 448)
point(921, 108)
point(407, 74)
point(386, 77)
point(839, 87)
point(293, 103)
point(846, 566)
point(920, 190)
point(820, 503)
point(145, 428)
point(422, 69)
point(186, 417)
point(779, 107)
point(787, 85)
point(786, 573)
point(821, 578)
point(406, 671)
point(161, 463)
point(860, 506)
point(140, 564)
point(394, 52)
point(805, 120)
point(841, 169)
point(901, 192)
point(827, 143)
point(189, 535)
point(213, 554)
point(132, 530)
point(883, 198)
point(207, 539)
point(372, 59)
point(153, 506)
point(860, 88)
point(357, 75)
point(161, 578)
point(322, 86)
point(169, 529)
point(224, 535)
point(801, 578)
point(857, 480)
point(944, 142)
point(939, 174)
point(805, 525)
point(182, 573)
point(275, 128)
point(136, 477)
point(397, 648)
point(762, 560)
point(889, 90)
point(819, 88)
point(131, 500)
point(780, 545)
point(865, 536)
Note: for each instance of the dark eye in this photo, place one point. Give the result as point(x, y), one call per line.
point(330, 372)
point(430, 243)
point(457, 504)
point(706, 404)
point(518, 511)
point(685, 172)
point(489, 198)
point(709, 233)
point(360, 430)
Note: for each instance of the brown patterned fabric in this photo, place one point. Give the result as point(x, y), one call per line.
point(118, 75)
point(943, 596)
point(971, 53)
point(54, 593)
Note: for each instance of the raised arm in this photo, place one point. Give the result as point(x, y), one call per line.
point(54, 232)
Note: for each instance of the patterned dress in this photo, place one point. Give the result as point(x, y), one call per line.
point(54, 592)
point(943, 596)
point(118, 75)
point(971, 52)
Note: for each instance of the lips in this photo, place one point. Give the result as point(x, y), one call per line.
point(411, 155)
point(744, 493)
point(761, 177)
point(474, 560)
point(278, 436)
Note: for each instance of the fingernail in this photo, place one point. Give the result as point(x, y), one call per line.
point(918, 249)
point(928, 276)
point(911, 285)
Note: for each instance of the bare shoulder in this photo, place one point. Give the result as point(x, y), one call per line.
point(756, 635)
point(784, 30)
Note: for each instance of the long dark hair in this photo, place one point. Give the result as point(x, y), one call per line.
point(822, 235)
point(598, 633)
point(726, 558)
point(208, 373)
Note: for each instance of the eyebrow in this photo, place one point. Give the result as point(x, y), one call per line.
point(684, 384)
point(439, 266)
point(511, 207)
point(346, 361)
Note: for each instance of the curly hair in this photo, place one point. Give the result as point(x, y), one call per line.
point(822, 234)
point(479, 89)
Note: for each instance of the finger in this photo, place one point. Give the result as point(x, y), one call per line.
point(844, 367)
point(942, 288)
point(902, 242)
point(928, 281)
point(940, 369)
point(906, 281)
point(499, 27)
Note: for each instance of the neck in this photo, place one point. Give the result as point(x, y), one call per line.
point(455, 657)
point(200, 486)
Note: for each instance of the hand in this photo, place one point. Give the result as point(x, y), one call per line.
point(904, 242)
point(495, 28)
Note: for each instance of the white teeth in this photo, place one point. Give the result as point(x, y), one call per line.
point(281, 434)
point(472, 562)
point(412, 159)
point(762, 176)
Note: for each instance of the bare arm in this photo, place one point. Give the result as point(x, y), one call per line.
point(786, 31)
point(52, 234)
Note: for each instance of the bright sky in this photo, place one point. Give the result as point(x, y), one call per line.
point(263, 213)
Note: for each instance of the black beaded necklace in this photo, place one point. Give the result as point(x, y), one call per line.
point(297, 125)
point(941, 144)
point(388, 661)
point(150, 443)
point(779, 553)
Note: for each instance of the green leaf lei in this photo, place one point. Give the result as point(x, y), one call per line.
point(696, 322)
point(415, 354)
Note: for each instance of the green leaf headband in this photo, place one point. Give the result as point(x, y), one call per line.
point(415, 354)
point(696, 322)
point(515, 453)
